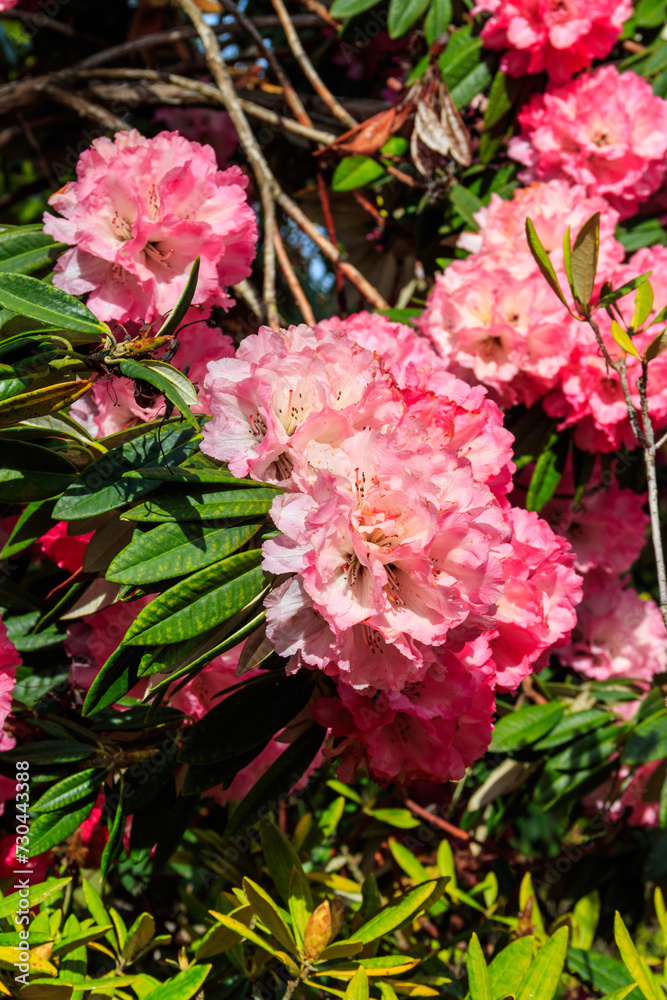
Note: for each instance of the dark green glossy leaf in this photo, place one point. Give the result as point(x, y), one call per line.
point(437, 20)
point(161, 380)
point(203, 506)
point(51, 828)
point(200, 602)
point(572, 725)
point(50, 752)
point(356, 171)
point(35, 519)
point(41, 301)
point(271, 701)
point(648, 742)
point(525, 726)
point(101, 487)
point(173, 549)
point(403, 14)
point(180, 310)
point(283, 774)
point(548, 472)
point(348, 8)
point(31, 473)
point(71, 789)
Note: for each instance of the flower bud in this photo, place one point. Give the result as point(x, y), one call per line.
point(337, 911)
point(318, 930)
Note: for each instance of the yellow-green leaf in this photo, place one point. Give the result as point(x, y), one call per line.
point(620, 994)
point(245, 932)
point(544, 973)
point(478, 973)
point(623, 339)
point(40, 402)
point(398, 911)
point(268, 913)
point(527, 892)
point(643, 304)
point(340, 949)
point(633, 963)
point(585, 259)
point(358, 986)
point(541, 258)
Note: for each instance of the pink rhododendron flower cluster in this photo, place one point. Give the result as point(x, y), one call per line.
point(618, 633)
point(396, 537)
point(138, 214)
point(559, 38)
point(10, 659)
point(632, 797)
point(605, 130)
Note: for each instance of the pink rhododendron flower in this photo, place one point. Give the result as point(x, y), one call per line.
point(203, 125)
point(66, 551)
point(511, 334)
point(7, 4)
point(92, 639)
point(601, 514)
point(138, 214)
point(551, 206)
point(536, 610)
point(10, 659)
point(40, 863)
point(618, 634)
point(86, 844)
point(605, 130)
point(431, 730)
point(561, 38)
point(639, 793)
point(396, 539)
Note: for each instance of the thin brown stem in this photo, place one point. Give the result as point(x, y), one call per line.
point(323, 193)
point(454, 831)
point(84, 108)
point(321, 11)
point(270, 230)
point(309, 70)
point(292, 280)
point(265, 178)
point(652, 485)
point(291, 95)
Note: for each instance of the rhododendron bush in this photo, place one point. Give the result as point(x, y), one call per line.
point(333, 417)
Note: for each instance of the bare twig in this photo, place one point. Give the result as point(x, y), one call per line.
point(269, 290)
point(244, 290)
point(652, 484)
point(309, 70)
point(323, 193)
point(84, 108)
point(177, 34)
point(321, 11)
point(291, 95)
point(264, 176)
point(292, 280)
point(454, 831)
point(195, 88)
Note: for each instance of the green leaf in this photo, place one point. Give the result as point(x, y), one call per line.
point(71, 789)
point(509, 967)
point(635, 965)
point(281, 860)
point(183, 986)
point(271, 701)
point(172, 549)
point(643, 305)
point(572, 725)
point(118, 675)
point(471, 85)
point(622, 993)
point(36, 894)
point(202, 506)
point(38, 300)
point(585, 918)
point(466, 204)
point(354, 172)
point(657, 346)
point(34, 520)
point(648, 741)
point(585, 259)
point(180, 310)
point(49, 752)
point(403, 14)
point(190, 474)
point(201, 601)
point(116, 830)
point(525, 726)
point(101, 486)
point(400, 818)
point(500, 101)
point(139, 935)
point(269, 914)
point(629, 286)
point(281, 776)
point(357, 988)
point(26, 248)
point(437, 20)
point(30, 473)
point(589, 750)
point(173, 385)
point(643, 233)
point(51, 828)
point(623, 339)
point(479, 982)
point(400, 910)
point(548, 472)
point(602, 972)
point(543, 976)
point(541, 258)
point(348, 8)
